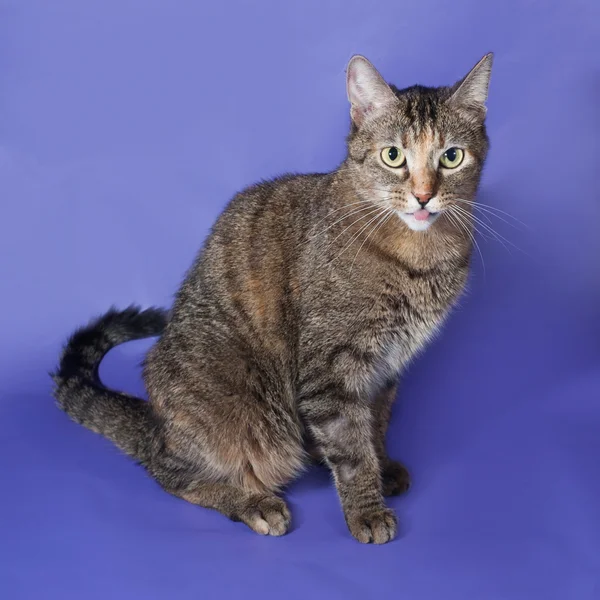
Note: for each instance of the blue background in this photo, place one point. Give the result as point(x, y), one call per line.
point(125, 127)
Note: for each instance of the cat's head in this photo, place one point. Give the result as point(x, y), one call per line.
point(418, 151)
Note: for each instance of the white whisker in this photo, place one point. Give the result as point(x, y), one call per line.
point(342, 208)
point(384, 217)
point(357, 235)
point(491, 210)
point(353, 212)
point(500, 238)
point(375, 209)
point(455, 218)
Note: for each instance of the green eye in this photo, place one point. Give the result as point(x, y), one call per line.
point(393, 157)
point(452, 158)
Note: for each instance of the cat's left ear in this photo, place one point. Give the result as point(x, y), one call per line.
point(368, 92)
point(471, 92)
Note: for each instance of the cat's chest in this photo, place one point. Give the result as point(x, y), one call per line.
point(404, 318)
point(394, 347)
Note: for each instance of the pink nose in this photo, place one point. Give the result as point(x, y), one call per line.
point(423, 197)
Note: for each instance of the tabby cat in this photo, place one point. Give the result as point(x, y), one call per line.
point(308, 299)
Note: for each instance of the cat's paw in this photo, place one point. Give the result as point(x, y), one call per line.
point(395, 478)
point(376, 526)
point(267, 515)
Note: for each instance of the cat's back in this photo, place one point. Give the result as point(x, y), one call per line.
point(251, 252)
point(263, 224)
point(240, 291)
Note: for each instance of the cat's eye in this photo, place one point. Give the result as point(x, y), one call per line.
point(393, 157)
point(452, 158)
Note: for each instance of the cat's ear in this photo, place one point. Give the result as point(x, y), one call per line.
point(471, 92)
point(368, 93)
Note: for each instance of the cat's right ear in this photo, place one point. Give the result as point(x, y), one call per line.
point(368, 93)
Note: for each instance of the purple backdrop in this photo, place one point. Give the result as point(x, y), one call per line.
point(126, 125)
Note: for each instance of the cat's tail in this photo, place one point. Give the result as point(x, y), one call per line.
point(124, 419)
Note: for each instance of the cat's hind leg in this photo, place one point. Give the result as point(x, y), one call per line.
point(237, 468)
point(253, 504)
point(265, 513)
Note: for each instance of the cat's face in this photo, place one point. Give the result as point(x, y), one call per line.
point(417, 153)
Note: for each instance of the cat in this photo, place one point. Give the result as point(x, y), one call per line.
point(308, 299)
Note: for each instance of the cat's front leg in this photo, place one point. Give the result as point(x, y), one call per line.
point(342, 427)
point(395, 476)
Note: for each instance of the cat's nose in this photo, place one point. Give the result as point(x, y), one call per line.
point(423, 197)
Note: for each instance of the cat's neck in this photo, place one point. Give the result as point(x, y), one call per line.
point(442, 243)
point(445, 241)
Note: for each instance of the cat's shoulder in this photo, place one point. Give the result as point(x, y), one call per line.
point(283, 190)
point(287, 182)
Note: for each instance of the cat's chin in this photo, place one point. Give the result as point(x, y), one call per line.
point(417, 225)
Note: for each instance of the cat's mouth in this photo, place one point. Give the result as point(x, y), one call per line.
point(419, 220)
point(422, 214)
